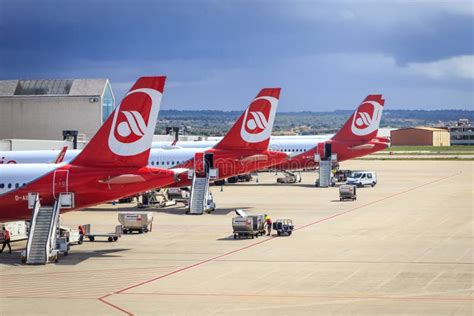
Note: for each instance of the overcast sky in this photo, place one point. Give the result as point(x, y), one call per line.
point(217, 54)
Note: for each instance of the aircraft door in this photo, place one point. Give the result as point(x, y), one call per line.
point(208, 161)
point(60, 182)
point(199, 163)
point(321, 150)
point(327, 150)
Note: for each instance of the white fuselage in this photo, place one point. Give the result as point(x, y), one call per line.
point(14, 176)
point(159, 157)
point(283, 142)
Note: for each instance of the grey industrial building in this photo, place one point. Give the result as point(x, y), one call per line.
point(462, 133)
point(42, 109)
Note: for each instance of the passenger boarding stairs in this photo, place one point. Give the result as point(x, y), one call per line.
point(41, 245)
point(325, 173)
point(198, 203)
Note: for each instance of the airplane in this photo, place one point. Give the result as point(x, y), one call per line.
point(244, 149)
point(357, 138)
point(112, 165)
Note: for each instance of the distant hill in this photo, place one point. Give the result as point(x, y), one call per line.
point(218, 122)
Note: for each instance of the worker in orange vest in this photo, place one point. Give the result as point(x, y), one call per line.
point(82, 233)
point(6, 240)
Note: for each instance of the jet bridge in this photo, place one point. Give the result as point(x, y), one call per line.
point(201, 199)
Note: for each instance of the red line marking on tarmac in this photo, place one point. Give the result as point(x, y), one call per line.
point(102, 298)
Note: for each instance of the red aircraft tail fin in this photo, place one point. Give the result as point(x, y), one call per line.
point(253, 129)
point(124, 140)
point(364, 123)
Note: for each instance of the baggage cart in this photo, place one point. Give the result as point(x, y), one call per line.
point(347, 192)
point(110, 236)
point(249, 227)
point(140, 222)
point(283, 226)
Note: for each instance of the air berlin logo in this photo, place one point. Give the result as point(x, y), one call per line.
point(363, 120)
point(134, 122)
point(258, 122)
point(258, 119)
point(367, 118)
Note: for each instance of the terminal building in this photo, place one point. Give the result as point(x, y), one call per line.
point(420, 136)
point(43, 109)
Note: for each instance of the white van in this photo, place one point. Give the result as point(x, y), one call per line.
point(361, 178)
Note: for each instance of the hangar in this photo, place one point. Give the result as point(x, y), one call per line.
point(420, 136)
point(42, 109)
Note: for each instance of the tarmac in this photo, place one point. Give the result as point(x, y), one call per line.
point(404, 247)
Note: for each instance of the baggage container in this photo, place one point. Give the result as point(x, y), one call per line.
point(140, 222)
point(250, 226)
point(347, 192)
point(18, 230)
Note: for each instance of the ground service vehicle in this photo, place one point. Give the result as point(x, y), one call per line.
point(362, 178)
point(283, 226)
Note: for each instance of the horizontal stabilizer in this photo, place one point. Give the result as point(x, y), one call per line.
point(124, 179)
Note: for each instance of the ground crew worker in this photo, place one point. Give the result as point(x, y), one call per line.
point(268, 222)
point(6, 240)
point(82, 232)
